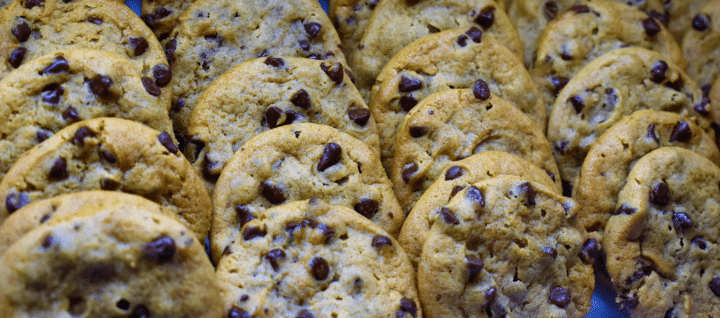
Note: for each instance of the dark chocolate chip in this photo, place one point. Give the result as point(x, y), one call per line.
point(549, 251)
point(81, 134)
point(367, 208)
point(334, 71)
point(161, 249)
point(326, 231)
point(628, 302)
point(159, 14)
point(42, 135)
point(100, 85)
point(481, 90)
point(275, 61)
point(58, 171)
point(301, 99)
point(243, 214)
point(70, 114)
point(677, 85)
point(150, 86)
point(17, 56)
point(313, 29)
point(475, 34)
point(715, 285)
point(579, 9)
point(59, 65)
point(272, 193)
point(274, 257)
point(238, 313)
point(560, 297)
point(409, 306)
point(703, 106)
point(408, 102)
point(170, 48)
point(577, 103)
point(658, 72)
point(699, 242)
point(651, 26)
point(167, 141)
point(664, 17)
point(29, 4)
point(551, 10)
point(320, 268)
point(462, 40)
point(314, 56)
point(109, 184)
point(140, 312)
point(476, 195)
point(590, 251)
point(139, 45)
point(456, 190)
point(701, 22)
point(47, 241)
point(409, 171)
point(660, 194)
point(304, 45)
point(290, 117)
point(408, 84)
point(108, 156)
point(418, 131)
point(163, 75)
point(21, 31)
point(305, 314)
point(330, 156)
point(474, 266)
point(529, 192)
point(177, 106)
point(453, 173)
point(558, 83)
point(551, 175)
point(652, 134)
point(96, 21)
point(272, 116)
point(252, 232)
point(378, 241)
point(449, 216)
point(682, 222)
point(350, 76)
point(681, 132)
point(15, 201)
point(359, 115)
point(53, 93)
point(486, 18)
point(624, 209)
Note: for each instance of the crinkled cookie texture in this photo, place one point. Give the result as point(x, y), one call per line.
point(397, 23)
point(662, 243)
point(506, 247)
point(700, 45)
point(109, 260)
point(53, 91)
point(450, 59)
point(41, 212)
point(312, 259)
point(212, 36)
point(614, 86)
point(261, 94)
point(457, 176)
point(605, 169)
point(33, 28)
point(453, 125)
point(299, 162)
point(110, 154)
point(585, 32)
point(162, 15)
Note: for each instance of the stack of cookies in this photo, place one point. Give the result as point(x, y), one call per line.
point(389, 158)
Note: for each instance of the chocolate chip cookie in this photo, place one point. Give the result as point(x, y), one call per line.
point(506, 247)
point(453, 125)
point(587, 31)
point(110, 154)
point(607, 164)
point(162, 15)
point(350, 18)
point(700, 46)
point(458, 176)
point(298, 162)
point(109, 260)
point(675, 15)
point(662, 243)
point(312, 259)
point(450, 59)
point(261, 94)
point(212, 36)
point(53, 91)
point(611, 87)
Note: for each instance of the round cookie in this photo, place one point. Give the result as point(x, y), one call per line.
point(459, 175)
point(212, 36)
point(700, 46)
point(675, 15)
point(607, 164)
point(611, 87)
point(350, 17)
point(162, 15)
point(397, 23)
point(109, 260)
point(53, 91)
point(33, 28)
point(455, 124)
point(261, 94)
point(449, 59)
point(585, 32)
point(662, 244)
point(506, 247)
point(319, 260)
point(110, 154)
point(299, 162)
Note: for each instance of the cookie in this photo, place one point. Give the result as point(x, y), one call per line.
point(397, 23)
point(110, 259)
point(38, 27)
point(506, 247)
point(661, 244)
point(714, 94)
point(675, 15)
point(162, 15)
point(585, 32)
point(607, 164)
point(319, 260)
point(611, 87)
point(448, 59)
point(299, 162)
point(350, 17)
point(453, 125)
point(700, 46)
point(110, 154)
point(213, 36)
point(53, 91)
point(261, 94)
point(459, 175)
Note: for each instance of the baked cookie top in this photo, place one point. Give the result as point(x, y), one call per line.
point(662, 244)
point(611, 87)
point(605, 169)
point(261, 94)
point(397, 23)
point(700, 45)
point(453, 125)
point(449, 59)
point(675, 15)
point(585, 32)
point(110, 154)
point(162, 15)
point(298, 162)
point(350, 17)
point(53, 91)
point(212, 36)
point(319, 260)
point(459, 175)
point(109, 259)
point(506, 247)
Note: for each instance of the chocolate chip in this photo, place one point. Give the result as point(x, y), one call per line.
point(453, 173)
point(151, 87)
point(378, 241)
point(272, 116)
point(163, 75)
point(275, 62)
point(367, 208)
point(481, 90)
point(462, 40)
point(477, 196)
point(42, 135)
point(418, 131)
point(140, 312)
point(252, 232)
point(170, 48)
point(81, 134)
point(658, 72)
point(409, 171)
point(475, 34)
point(290, 117)
point(159, 14)
point(272, 193)
point(139, 45)
point(350, 75)
point(58, 65)
point(638, 275)
point(681, 132)
point(715, 285)
point(70, 114)
point(703, 106)
point(304, 45)
point(558, 83)
point(330, 156)
point(408, 84)
point(359, 115)
point(628, 301)
point(408, 102)
point(651, 26)
point(167, 141)
point(624, 209)
point(449, 216)
point(313, 29)
point(274, 257)
point(408, 306)
point(16, 56)
point(486, 18)
point(108, 156)
point(579, 9)
point(109, 184)
point(100, 85)
point(677, 85)
point(334, 71)
point(455, 191)
point(682, 222)
point(58, 171)
point(549, 251)
point(301, 99)
point(305, 314)
point(320, 268)
point(53, 93)
point(560, 297)
point(551, 10)
point(652, 134)
point(178, 105)
point(660, 194)
point(664, 18)
point(529, 192)
point(21, 31)
point(238, 313)
point(699, 242)
point(314, 56)
point(15, 201)
point(590, 251)
point(96, 21)
point(577, 103)
point(474, 266)
point(29, 4)
point(47, 241)
point(701, 22)
point(161, 249)
point(326, 231)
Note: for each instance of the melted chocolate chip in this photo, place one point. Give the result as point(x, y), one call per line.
point(320, 268)
point(408, 102)
point(58, 65)
point(163, 75)
point(701, 22)
point(17, 56)
point(475, 34)
point(109, 184)
point(378, 241)
point(313, 29)
point(21, 31)
point(558, 83)
point(81, 134)
point(238, 313)
point(150, 86)
point(326, 231)
point(455, 191)
point(275, 62)
point(272, 116)
point(334, 71)
point(453, 173)
point(108, 156)
point(474, 266)
point(408, 306)
point(651, 26)
point(243, 214)
point(560, 297)
point(15, 201)
point(652, 134)
point(658, 72)
point(549, 251)
point(486, 18)
point(462, 40)
point(481, 90)
point(305, 314)
point(682, 222)
point(53, 93)
point(100, 85)
point(681, 132)
point(715, 285)
point(449, 216)
point(330, 156)
point(301, 99)
point(167, 141)
point(476, 195)
point(551, 10)
point(660, 194)
point(140, 312)
point(170, 48)
point(252, 232)
point(159, 14)
point(590, 251)
point(70, 114)
point(47, 242)
point(529, 191)
point(367, 208)
point(42, 135)
point(58, 171)
point(699, 242)
point(359, 115)
point(408, 84)
point(418, 131)
point(272, 193)
point(274, 257)
point(409, 171)
point(161, 249)
point(139, 45)
point(579, 9)
point(94, 20)
point(29, 4)
point(626, 210)
point(577, 103)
